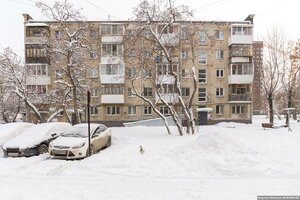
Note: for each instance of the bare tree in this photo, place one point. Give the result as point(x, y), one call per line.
point(69, 50)
point(13, 74)
point(276, 58)
point(158, 23)
point(291, 76)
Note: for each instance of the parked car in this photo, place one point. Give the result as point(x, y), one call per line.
point(74, 143)
point(10, 130)
point(35, 140)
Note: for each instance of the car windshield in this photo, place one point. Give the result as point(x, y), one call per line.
point(76, 132)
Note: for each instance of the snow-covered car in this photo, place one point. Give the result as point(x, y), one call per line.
point(35, 140)
point(10, 130)
point(74, 143)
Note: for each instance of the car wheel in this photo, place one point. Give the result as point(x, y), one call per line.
point(109, 142)
point(43, 148)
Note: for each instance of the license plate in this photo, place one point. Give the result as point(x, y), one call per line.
point(60, 152)
point(13, 154)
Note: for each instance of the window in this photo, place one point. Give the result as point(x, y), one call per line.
point(148, 92)
point(131, 92)
point(93, 55)
point(203, 57)
point(219, 35)
point(37, 89)
point(113, 110)
point(37, 70)
point(109, 29)
point(202, 37)
point(184, 34)
point(242, 69)
point(202, 75)
point(164, 110)
point(147, 110)
point(241, 30)
point(59, 74)
point(131, 110)
point(219, 54)
point(131, 73)
point(164, 69)
point(94, 110)
point(35, 51)
point(132, 53)
point(184, 74)
point(185, 92)
point(184, 54)
point(93, 73)
point(36, 31)
point(112, 90)
point(94, 34)
point(112, 49)
point(219, 109)
point(94, 92)
point(111, 69)
point(59, 34)
point(240, 89)
point(220, 73)
point(219, 92)
point(202, 94)
point(161, 29)
point(238, 109)
point(166, 88)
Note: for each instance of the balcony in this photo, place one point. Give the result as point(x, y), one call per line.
point(112, 99)
point(170, 39)
point(168, 97)
point(241, 51)
point(240, 60)
point(112, 79)
point(38, 80)
point(112, 39)
point(165, 79)
point(36, 40)
point(240, 97)
point(240, 39)
point(240, 79)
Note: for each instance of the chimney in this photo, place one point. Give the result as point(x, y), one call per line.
point(26, 17)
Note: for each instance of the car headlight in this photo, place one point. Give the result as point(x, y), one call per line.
point(78, 146)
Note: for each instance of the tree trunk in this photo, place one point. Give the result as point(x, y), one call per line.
point(271, 110)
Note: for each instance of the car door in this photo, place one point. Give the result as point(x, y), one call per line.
point(96, 140)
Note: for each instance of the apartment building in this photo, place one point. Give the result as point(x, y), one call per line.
point(222, 60)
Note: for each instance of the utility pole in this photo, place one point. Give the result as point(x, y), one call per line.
point(89, 121)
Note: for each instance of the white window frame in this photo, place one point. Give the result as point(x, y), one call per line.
point(113, 110)
point(184, 54)
point(220, 54)
point(202, 79)
point(147, 110)
point(238, 109)
point(131, 110)
point(219, 109)
point(219, 35)
point(202, 37)
point(164, 110)
point(94, 110)
point(202, 57)
point(131, 92)
point(200, 94)
point(220, 73)
point(220, 92)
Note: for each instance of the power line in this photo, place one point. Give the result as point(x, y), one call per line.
point(110, 14)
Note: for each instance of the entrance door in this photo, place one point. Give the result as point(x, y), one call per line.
point(202, 118)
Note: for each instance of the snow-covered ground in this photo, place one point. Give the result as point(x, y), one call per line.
point(225, 161)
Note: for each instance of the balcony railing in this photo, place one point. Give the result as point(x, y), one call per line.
point(240, 97)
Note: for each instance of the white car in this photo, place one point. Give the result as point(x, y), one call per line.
point(35, 140)
point(10, 130)
point(74, 143)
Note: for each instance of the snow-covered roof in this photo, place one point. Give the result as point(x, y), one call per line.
point(36, 24)
point(36, 134)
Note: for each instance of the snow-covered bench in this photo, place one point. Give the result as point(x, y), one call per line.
point(267, 125)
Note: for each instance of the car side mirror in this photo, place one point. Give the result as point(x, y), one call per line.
point(53, 134)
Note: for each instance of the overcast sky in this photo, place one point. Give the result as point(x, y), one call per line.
point(268, 13)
